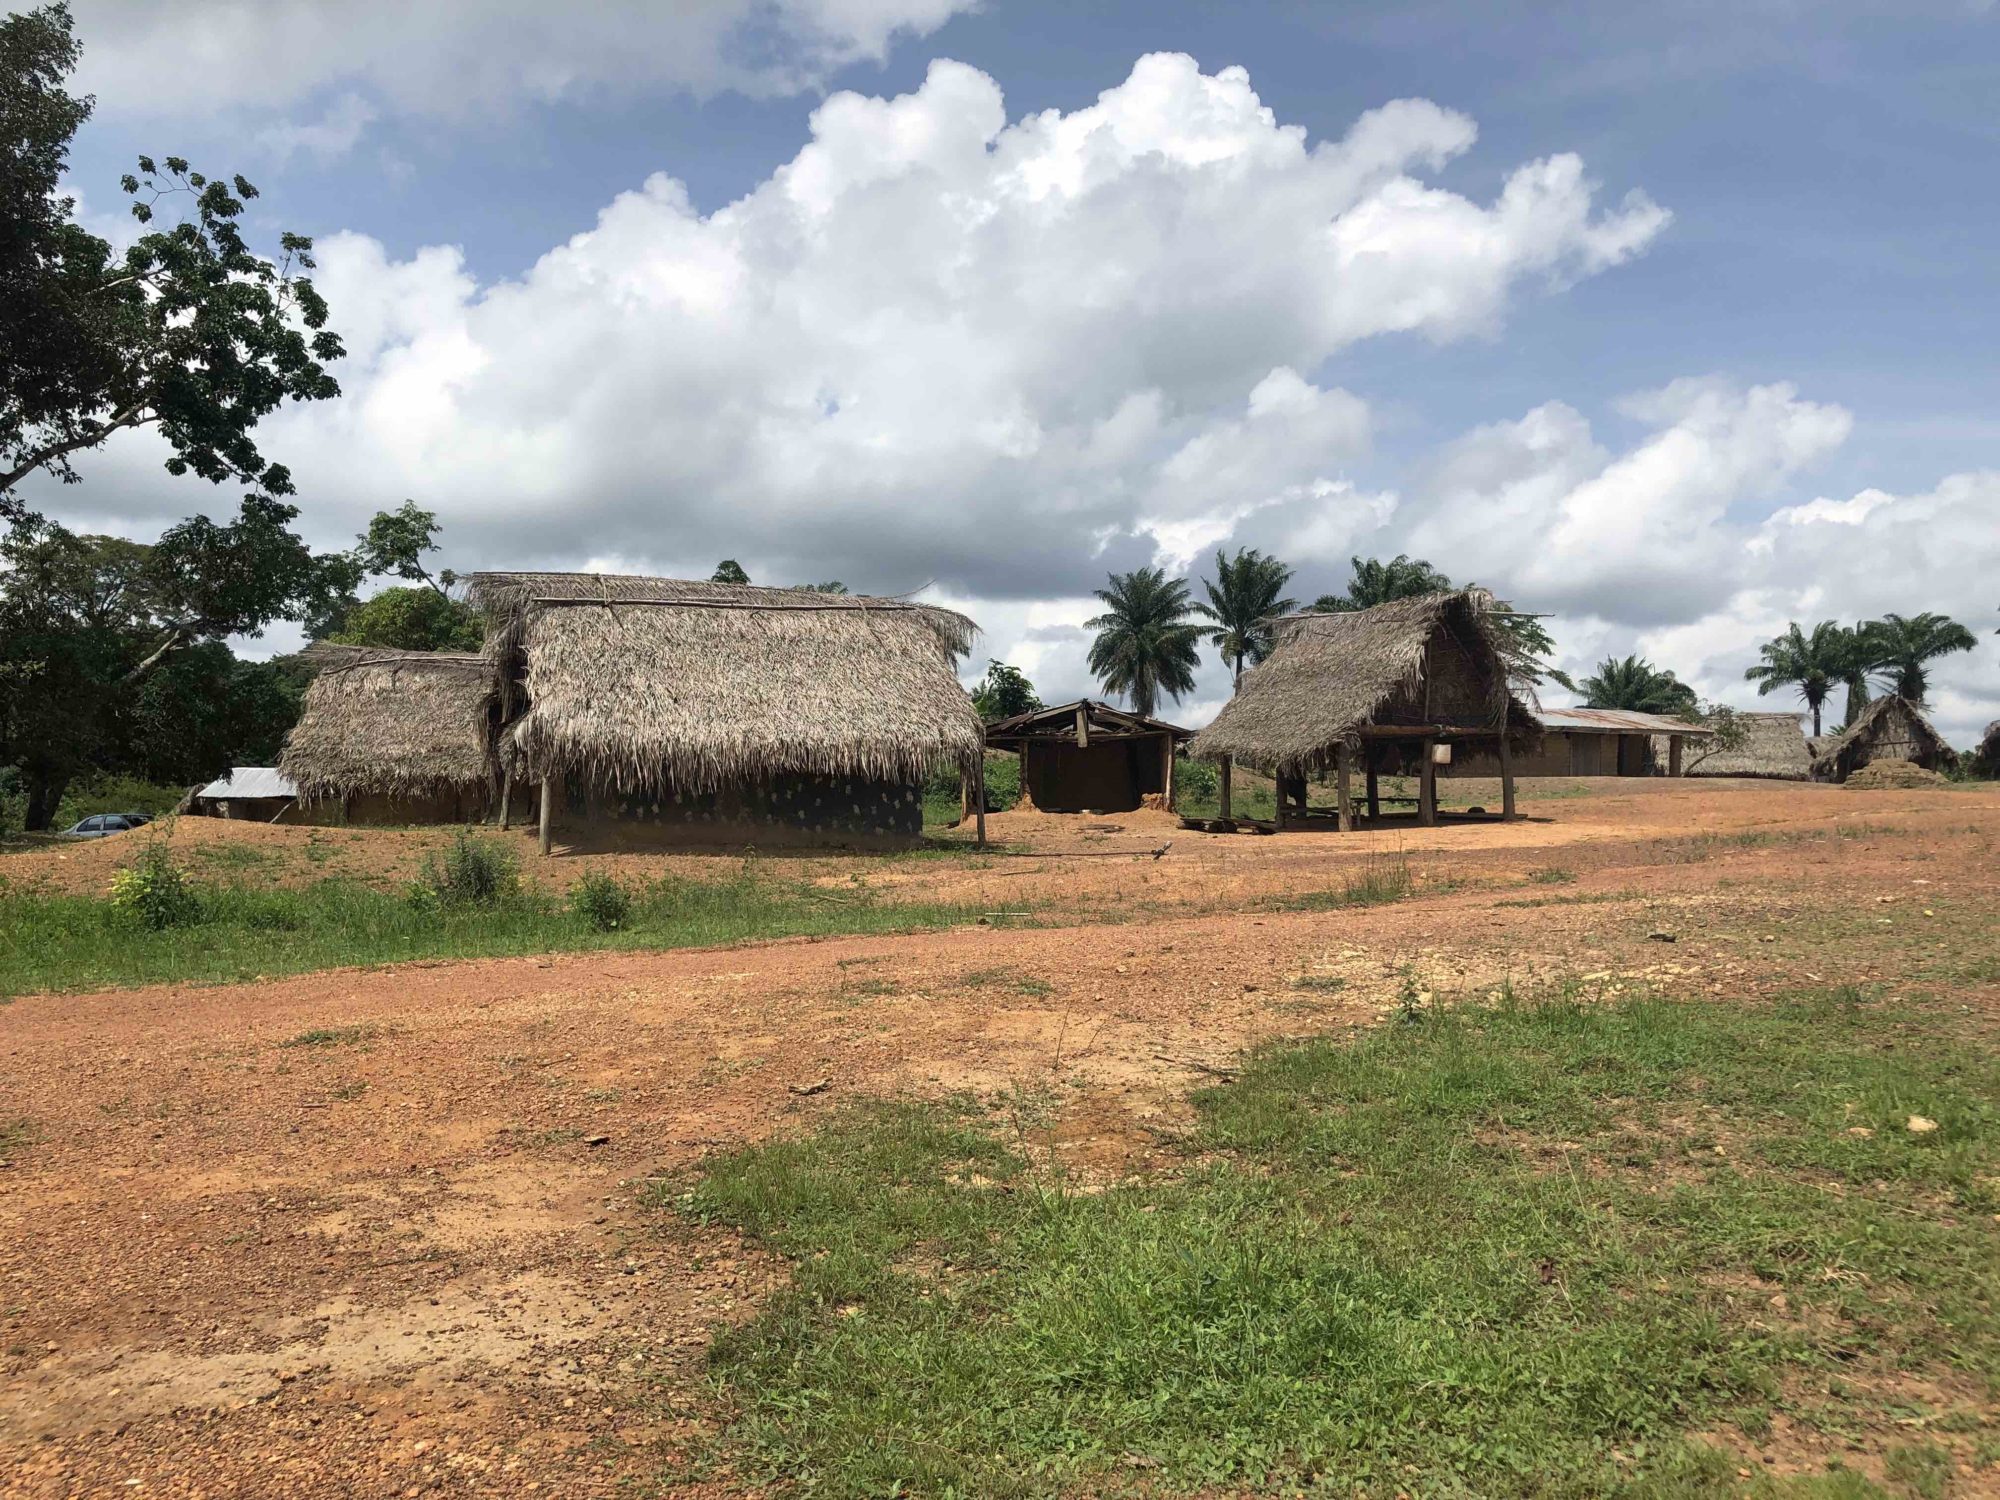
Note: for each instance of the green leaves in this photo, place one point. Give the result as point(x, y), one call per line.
point(1145, 642)
point(1244, 598)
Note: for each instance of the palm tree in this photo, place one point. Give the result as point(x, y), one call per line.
point(1145, 642)
point(1812, 663)
point(1243, 600)
point(1633, 683)
point(1903, 647)
point(1860, 655)
point(1376, 582)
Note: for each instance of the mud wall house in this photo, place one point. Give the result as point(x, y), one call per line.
point(395, 737)
point(1595, 742)
point(1402, 688)
point(1890, 728)
point(667, 711)
point(1087, 756)
point(258, 794)
point(1774, 745)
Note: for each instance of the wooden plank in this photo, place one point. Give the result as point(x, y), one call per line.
point(1374, 793)
point(1427, 788)
point(1345, 786)
point(1167, 768)
point(979, 797)
point(1082, 729)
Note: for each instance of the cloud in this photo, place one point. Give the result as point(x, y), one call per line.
point(457, 59)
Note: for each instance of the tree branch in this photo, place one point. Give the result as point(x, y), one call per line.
point(174, 637)
point(128, 418)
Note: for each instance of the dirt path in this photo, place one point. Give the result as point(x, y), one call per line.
point(376, 1232)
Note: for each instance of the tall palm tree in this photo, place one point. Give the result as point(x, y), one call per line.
point(1811, 663)
point(1145, 642)
point(1860, 655)
point(1904, 647)
point(1244, 597)
point(1633, 683)
point(1377, 582)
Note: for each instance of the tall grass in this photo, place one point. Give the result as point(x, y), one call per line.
point(75, 942)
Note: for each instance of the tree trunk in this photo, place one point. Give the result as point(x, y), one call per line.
point(45, 794)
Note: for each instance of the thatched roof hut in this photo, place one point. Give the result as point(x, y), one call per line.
point(1774, 745)
point(395, 724)
point(1437, 662)
point(643, 684)
point(1889, 728)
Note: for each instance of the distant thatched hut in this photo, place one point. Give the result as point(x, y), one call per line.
point(395, 737)
point(678, 711)
point(1773, 745)
point(1399, 687)
point(1890, 728)
point(1087, 756)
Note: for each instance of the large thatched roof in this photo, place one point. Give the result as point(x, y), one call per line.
point(1889, 728)
point(1774, 745)
point(398, 723)
point(1440, 659)
point(639, 683)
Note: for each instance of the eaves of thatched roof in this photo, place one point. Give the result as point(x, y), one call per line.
point(1437, 660)
point(1058, 721)
point(1774, 745)
point(643, 683)
point(395, 723)
point(1881, 719)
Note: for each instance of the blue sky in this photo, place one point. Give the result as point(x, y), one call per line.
point(1628, 410)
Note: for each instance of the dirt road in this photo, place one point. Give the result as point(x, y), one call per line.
point(378, 1232)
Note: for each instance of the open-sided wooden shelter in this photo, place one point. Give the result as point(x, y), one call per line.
point(672, 711)
point(394, 737)
point(1393, 689)
point(1889, 728)
point(1087, 756)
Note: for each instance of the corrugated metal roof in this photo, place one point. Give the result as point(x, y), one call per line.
point(251, 781)
point(1617, 721)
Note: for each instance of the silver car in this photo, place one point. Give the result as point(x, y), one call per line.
point(102, 825)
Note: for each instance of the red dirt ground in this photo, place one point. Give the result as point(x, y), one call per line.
point(394, 1263)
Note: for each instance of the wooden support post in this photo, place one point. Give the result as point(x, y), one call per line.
point(1082, 728)
point(1506, 780)
point(1427, 787)
point(965, 794)
point(1344, 785)
point(1374, 792)
point(548, 816)
point(1227, 765)
point(507, 800)
point(979, 796)
point(1167, 769)
point(1674, 742)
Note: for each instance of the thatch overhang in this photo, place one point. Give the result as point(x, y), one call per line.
point(1889, 728)
point(1433, 666)
point(392, 723)
point(643, 684)
point(1774, 745)
point(1059, 722)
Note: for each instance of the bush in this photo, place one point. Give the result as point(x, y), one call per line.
point(1196, 780)
point(473, 872)
point(155, 890)
point(601, 901)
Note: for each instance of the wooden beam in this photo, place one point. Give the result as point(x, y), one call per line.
point(1167, 768)
point(979, 797)
point(1344, 785)
point(1427, 788)
point(548, 817)
point(1506, 781)
point(1227, 766)
point(1374, 792)
point(1082, 728)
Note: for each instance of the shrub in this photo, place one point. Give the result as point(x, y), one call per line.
point(601, 901)
point(1196, 780)
point(473, 872)
point(155, 890)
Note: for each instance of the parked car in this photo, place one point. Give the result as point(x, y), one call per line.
point(101, 825)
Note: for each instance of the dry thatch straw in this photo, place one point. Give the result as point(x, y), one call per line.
point(653, 683)
point(1441, 659)
point(1889, 729)
point(393, 723)
point(1774, 745)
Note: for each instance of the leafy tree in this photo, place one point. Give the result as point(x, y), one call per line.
point(729, 570)
point(394, 545)
point(1810, 662)
point(1245, 596)
point(1376, 582)
point(189, 331)
point(1005, 692)
point(200, 713)
point(86, 621)
point(835, 587)
point(411, 619)
point(1633, 683)
point(1145, 643)
point(1905, 647)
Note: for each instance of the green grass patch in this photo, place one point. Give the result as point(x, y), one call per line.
point(1006, 979)
point(1377, 883)
point(1552, 875)
point(1325, 983)
point(73, 942)
point(1525, 1250)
